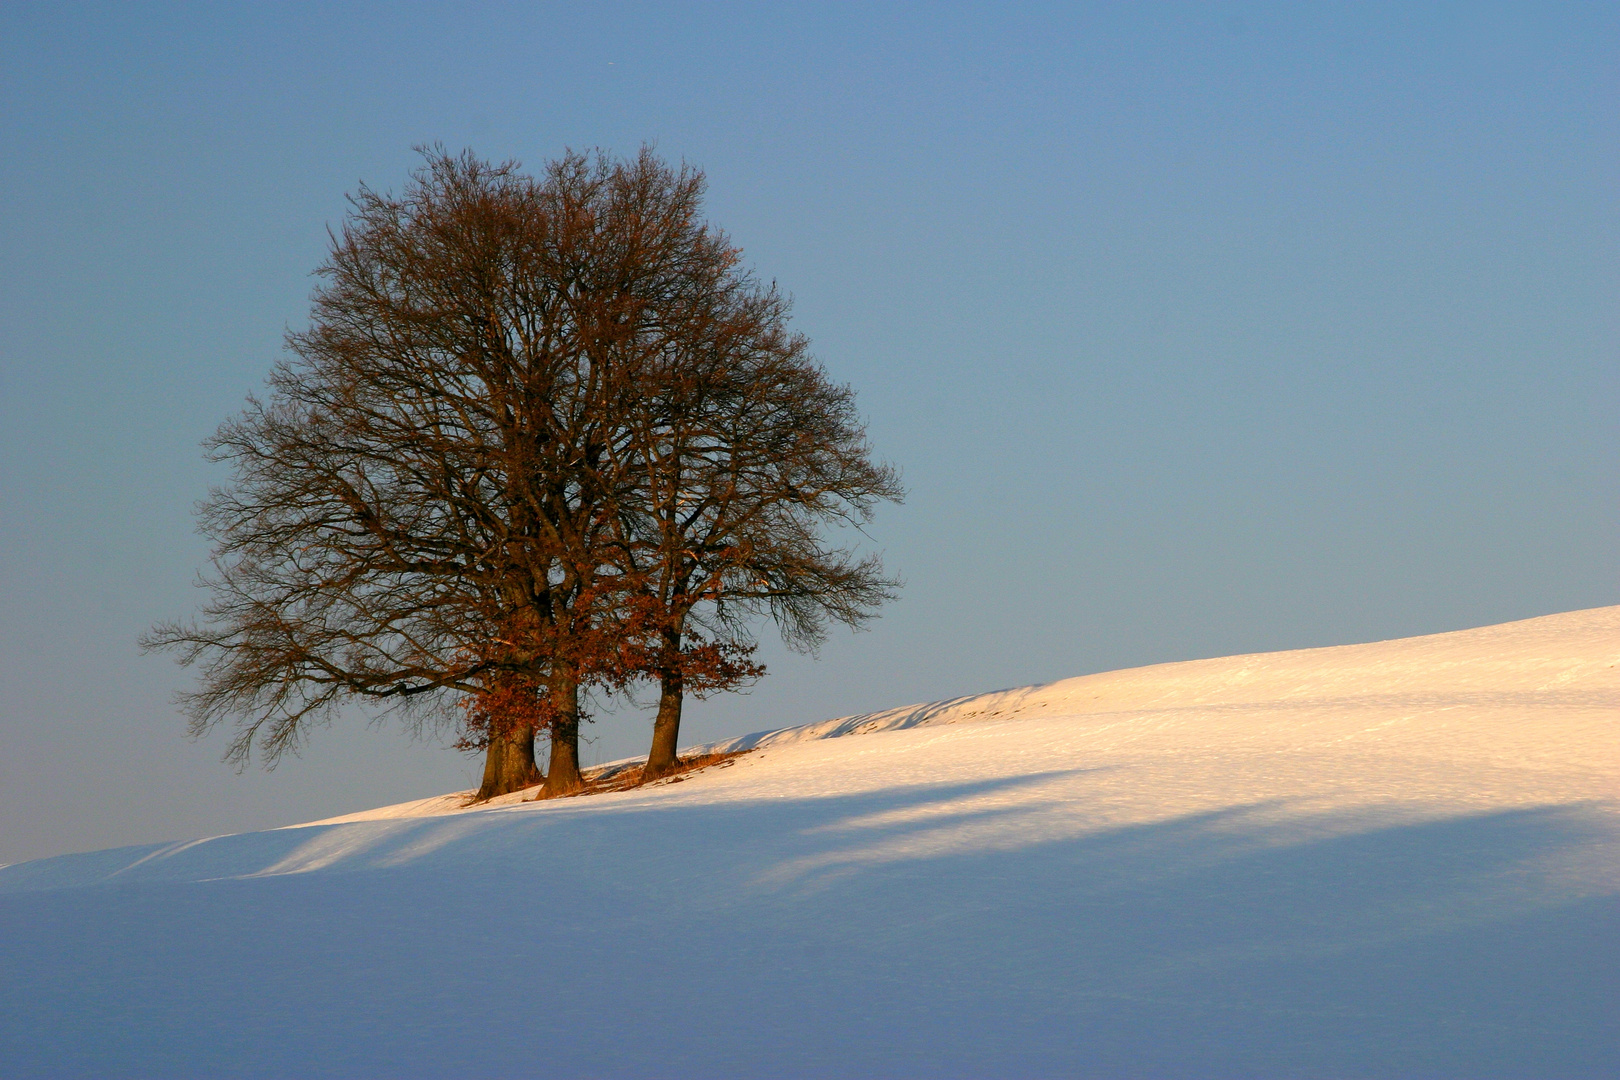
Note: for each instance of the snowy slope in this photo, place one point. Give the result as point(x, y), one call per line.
point(1392, 859)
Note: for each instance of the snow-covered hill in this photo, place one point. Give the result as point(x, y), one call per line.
point(1393, 859)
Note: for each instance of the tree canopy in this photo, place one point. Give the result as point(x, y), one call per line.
point(542, 434)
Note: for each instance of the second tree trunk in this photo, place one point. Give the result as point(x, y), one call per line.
point(562, 774)
point(661, 760)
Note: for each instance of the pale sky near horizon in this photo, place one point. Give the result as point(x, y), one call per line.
point(1196, 329)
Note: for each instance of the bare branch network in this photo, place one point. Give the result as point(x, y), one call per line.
point(543, 435)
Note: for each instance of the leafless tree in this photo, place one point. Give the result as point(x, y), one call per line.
point(416, 508)
point(745, 452)
point(541, 434)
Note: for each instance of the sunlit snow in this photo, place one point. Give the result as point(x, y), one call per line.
point(1392, 859)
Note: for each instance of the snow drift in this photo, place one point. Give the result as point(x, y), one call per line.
point(1392, 859)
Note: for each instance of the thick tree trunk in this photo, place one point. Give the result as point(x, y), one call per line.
point(509, 764)
point(661, 759)
point(562, 774)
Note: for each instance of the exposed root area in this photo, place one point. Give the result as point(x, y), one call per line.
point(605, 778)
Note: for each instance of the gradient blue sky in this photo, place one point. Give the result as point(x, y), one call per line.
point(1196, 329)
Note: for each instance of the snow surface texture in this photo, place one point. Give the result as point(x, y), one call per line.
point(1396, 859)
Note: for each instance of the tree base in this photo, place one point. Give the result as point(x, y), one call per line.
point(509, 766)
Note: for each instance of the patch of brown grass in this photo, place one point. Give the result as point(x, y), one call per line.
point(605, 778)
point(625, 777)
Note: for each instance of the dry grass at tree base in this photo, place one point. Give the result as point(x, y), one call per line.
point(623, 777)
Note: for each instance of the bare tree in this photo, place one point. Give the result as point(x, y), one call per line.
point(746, 453)
point(414, 511)
point(541, 434)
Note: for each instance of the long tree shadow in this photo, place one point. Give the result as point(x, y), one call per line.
point(944, 930)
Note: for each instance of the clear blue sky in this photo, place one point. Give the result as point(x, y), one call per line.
point(1196, 328)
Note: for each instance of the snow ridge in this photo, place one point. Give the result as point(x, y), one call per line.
point(1392, 859)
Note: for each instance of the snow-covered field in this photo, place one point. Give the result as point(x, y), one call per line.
point(1396, 859)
